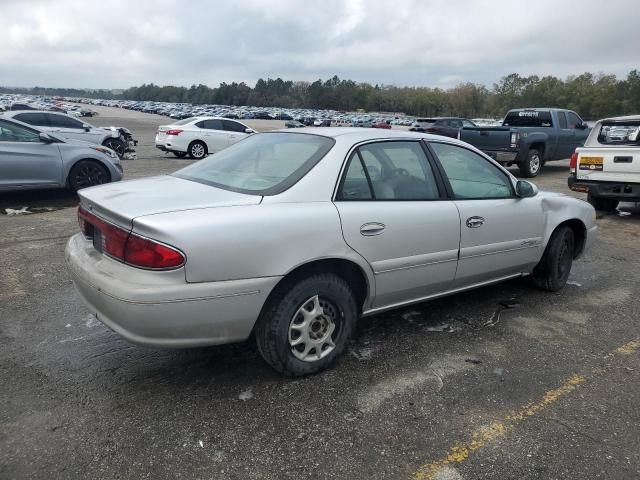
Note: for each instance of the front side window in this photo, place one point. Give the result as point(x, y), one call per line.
point(468, 124)
point(61, 121)
point(263, 164)
point(573, 120)
point(471, 176)
point(10, 132)
point(231, 126)
point(395, 171)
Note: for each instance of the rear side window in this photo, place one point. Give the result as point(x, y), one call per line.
point(214, 124)
point(61, 121)
point(470, 175)
point(389, 171)
point(37, 119)
point(562, 120)
point(231, 126)
point(528, 118)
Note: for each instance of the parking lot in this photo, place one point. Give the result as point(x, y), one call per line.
point(502, 382)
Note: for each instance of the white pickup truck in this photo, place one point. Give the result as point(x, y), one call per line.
point(607, 168)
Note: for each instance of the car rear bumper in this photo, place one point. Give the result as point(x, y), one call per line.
point(629, 192)
point(501, 156)
point(160, 309)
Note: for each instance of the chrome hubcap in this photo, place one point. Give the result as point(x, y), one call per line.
point(197, 150)
point(534, 164)
point(311, 330)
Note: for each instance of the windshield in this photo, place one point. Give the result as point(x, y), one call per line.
point(185, 121)
point(262, 164)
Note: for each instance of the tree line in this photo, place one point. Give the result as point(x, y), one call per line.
point(591, 95)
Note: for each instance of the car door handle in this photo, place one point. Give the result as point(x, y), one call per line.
point(475, 222)
point(372, 228)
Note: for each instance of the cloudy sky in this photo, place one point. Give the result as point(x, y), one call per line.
point(120, 43)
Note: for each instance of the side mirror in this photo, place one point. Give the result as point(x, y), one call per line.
point(44, 138)
point(86, 127)
point(526, 189)
point(581, 126)
point(249, 130)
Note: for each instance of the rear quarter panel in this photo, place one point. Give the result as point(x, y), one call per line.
point(230, 243)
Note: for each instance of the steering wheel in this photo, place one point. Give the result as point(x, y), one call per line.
point(400, 172)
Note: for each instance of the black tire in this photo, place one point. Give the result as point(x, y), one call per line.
point(532, 165)
point(87, 173)
point(604, 204)
point(180, 154)
point(197, 150)
point(116, 145)
point(555, 266)
point(274, 325)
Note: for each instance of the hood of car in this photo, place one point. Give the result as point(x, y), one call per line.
point(121, 202)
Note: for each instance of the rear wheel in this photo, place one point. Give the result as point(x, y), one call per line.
point(197, 150)
point(87, 173)
point(555, 266)
point(604, 204)
point(180, 154)
point(116, 145)
point(532, 165)
point(305, 328)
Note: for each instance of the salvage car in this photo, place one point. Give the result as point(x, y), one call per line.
point(200, 136)
point(607, 168)
point(294, 235)
point(118, 139)
point(31, 159)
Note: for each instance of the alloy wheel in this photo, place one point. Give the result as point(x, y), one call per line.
point(313, 329)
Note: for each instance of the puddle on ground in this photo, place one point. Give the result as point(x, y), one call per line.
point(21, 211)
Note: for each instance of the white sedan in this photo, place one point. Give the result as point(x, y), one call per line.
point(200, 136)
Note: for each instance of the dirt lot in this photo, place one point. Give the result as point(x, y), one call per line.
point(504, 382)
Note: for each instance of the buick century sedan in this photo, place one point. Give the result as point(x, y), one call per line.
point(294, 236)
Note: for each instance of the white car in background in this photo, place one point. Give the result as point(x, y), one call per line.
point(200, 136)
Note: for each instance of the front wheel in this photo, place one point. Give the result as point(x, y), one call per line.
point(305, 328)
point(604, 204)
point(116, 145)
point(87, 173)
point(532, 165)
point(555, 266)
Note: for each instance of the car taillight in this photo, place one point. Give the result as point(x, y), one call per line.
point(127, 247)
point(175, 131)
point(514, 139)
point(573, 163)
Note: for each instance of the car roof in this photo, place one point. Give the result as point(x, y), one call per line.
point(357, 134)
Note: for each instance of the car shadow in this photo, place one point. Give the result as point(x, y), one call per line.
point(38, 201)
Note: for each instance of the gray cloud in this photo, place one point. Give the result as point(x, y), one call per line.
point(74, 43)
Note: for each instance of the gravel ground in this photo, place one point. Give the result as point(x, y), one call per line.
point(503, 382)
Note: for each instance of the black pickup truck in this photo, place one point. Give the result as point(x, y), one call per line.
point(530, 137)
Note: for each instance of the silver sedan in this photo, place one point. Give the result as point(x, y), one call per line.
point(296, 235)
point(32, 159)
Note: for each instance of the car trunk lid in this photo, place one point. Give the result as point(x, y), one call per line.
point(121, 202)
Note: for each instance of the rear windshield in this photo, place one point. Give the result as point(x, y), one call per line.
point(620, 133)
point(426, 120)
point(262, 164)
point(185, 121)
point(528, 118)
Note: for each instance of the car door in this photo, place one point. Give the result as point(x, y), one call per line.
point(500, 234)
point(235, 131)
point(212, 134)
point(25, 160)
point(394, 214)
point(454, 127)
point(566, 137)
